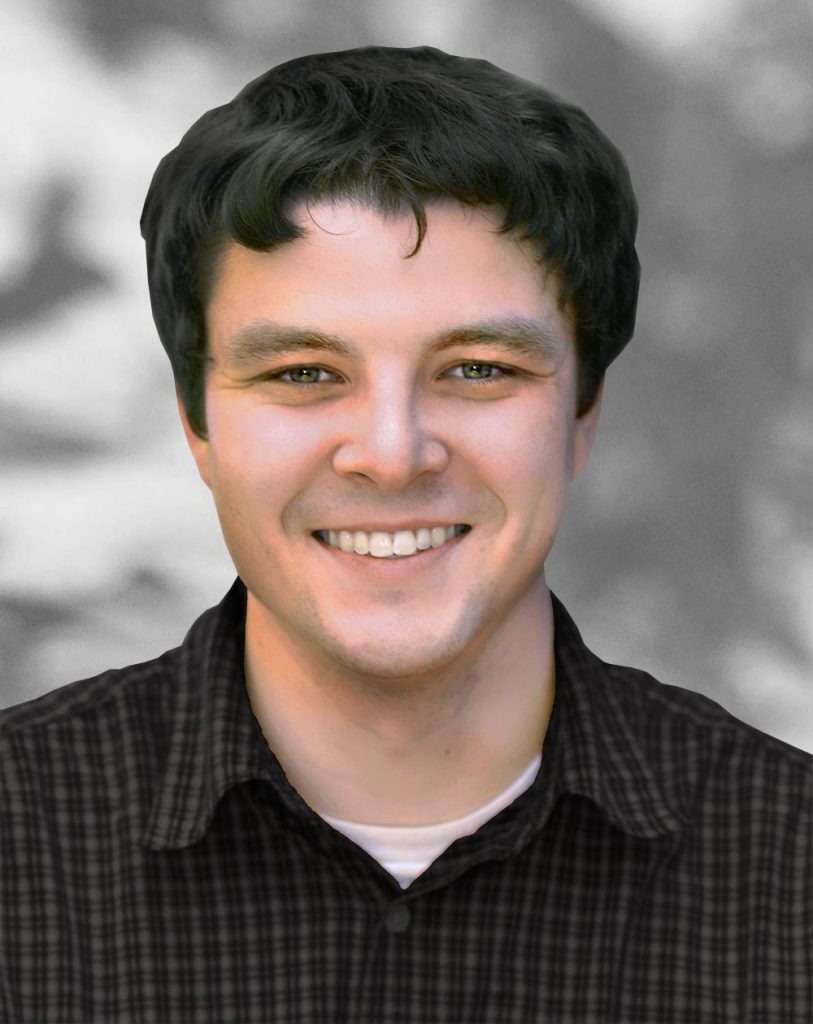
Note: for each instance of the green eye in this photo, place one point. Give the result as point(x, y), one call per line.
point(477, 371)
point(304, 374)
point(486, 373)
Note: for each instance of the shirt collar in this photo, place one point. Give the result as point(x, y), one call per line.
point(594, 747)
point(604, 747)
point(214, 742)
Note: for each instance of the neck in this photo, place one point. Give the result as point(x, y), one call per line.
point(405, 752)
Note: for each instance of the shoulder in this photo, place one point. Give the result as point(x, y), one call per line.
point(109, 694)
point(671, 727)
point(650, 699)
point(685, 733)
point(93, 736)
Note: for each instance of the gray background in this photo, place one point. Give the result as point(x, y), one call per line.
point(687, 548)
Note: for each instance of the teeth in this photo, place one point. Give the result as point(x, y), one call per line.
point(404, 543)
point(381, 544)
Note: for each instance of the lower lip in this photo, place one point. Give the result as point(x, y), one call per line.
point(391, 568)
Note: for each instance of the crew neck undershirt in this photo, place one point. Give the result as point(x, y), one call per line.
point(406, 851)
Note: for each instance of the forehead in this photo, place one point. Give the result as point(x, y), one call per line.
point(355, 272)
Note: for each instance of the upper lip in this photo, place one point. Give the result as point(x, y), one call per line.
point(411, 524)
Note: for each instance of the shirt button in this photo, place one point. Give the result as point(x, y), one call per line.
point(397, 918)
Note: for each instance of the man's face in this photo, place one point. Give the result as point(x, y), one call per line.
point(356, 393)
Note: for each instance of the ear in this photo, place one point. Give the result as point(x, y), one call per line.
point(584, 433)
point(199, 446)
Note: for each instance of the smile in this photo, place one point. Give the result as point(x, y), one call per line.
point(382, 544)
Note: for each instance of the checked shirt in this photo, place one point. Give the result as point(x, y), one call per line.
point(157, 867)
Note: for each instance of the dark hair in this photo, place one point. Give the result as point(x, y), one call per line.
point(394, 128)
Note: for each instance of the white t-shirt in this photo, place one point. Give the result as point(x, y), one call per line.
point(407, 851)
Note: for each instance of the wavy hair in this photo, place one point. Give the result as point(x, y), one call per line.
point(394, 129)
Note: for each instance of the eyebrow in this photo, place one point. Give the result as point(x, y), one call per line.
point(523, 335)
point(266, 339)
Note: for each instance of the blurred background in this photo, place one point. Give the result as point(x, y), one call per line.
point(687, 548)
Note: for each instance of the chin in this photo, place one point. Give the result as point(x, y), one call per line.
point(385, 660)
point(402, 643)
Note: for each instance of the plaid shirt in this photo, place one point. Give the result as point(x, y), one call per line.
point(158, 867)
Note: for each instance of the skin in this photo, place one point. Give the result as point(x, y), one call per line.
point(393, 691)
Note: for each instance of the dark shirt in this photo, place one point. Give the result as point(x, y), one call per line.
point(157, 865)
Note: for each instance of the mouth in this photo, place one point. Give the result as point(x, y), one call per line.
point(385, 544)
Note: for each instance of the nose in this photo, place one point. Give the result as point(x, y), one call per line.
point(389, 440)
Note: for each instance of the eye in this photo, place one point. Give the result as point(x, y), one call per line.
point(304, 374)
point(480, 372)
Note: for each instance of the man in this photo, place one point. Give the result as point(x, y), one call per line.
point(384, 780)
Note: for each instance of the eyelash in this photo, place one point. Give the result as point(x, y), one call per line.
point(503, 372)
point(280, 375)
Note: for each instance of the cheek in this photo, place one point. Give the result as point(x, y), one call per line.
point(260, 458)
point(525, 450)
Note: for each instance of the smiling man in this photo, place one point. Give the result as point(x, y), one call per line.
point(389, 442)
point(385, 780)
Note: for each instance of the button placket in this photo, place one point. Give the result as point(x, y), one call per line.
point(397, 918)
